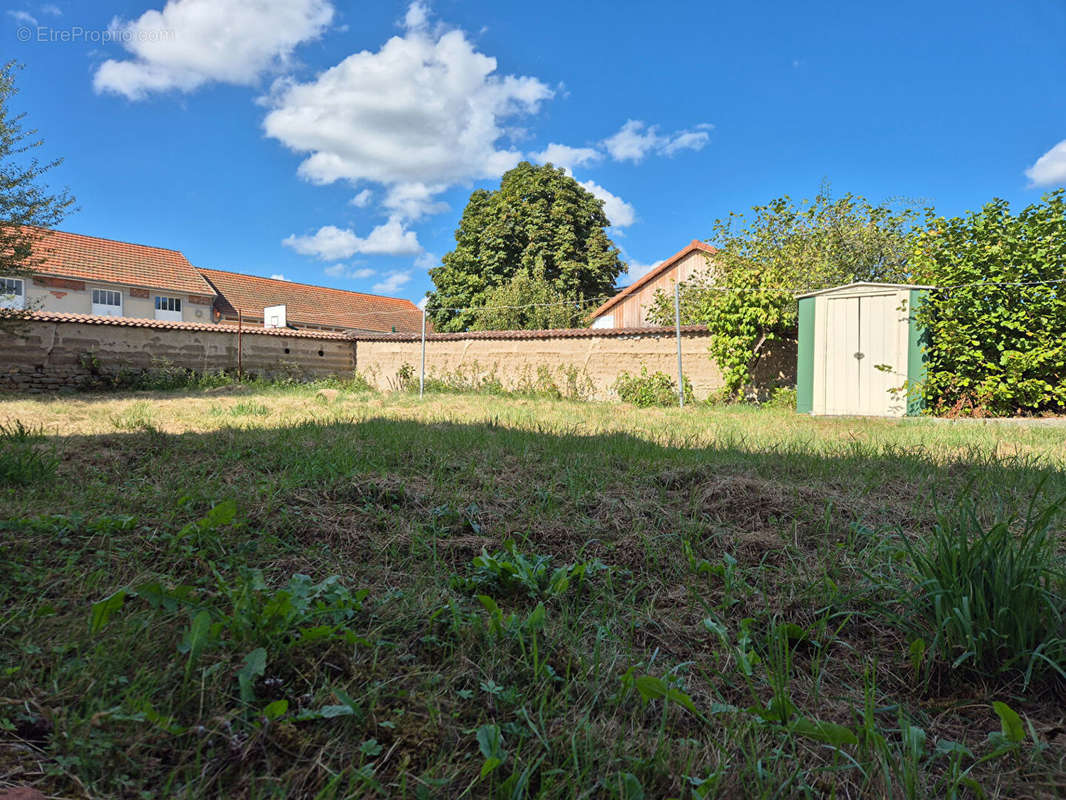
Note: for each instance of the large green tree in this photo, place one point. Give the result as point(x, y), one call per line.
point(541, 223)
point(997, 323)
point(26, 204)
point(529, 301)
point(748, 297)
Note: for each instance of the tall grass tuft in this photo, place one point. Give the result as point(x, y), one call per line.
point(991, 597)
point(23, 458)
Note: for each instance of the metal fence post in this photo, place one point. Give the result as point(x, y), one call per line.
point(677, 326)
point(422, 372)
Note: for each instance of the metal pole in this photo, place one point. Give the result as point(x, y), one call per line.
point(677, 326)
point(422, 373)
point(240, 343)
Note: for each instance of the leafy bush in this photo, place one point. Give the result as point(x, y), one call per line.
point(998, 332)
point(23, 458)
point(783, 397)
point(529, 301)
point(747, 295)
point(990, 598)
point(644, 390)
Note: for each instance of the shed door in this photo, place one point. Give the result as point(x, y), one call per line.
point(841, 366)
point(862, 334)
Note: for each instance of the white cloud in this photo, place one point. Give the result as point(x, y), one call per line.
point(24, 17)
point(417, 16)
point(562, 155)
point(426, 261)
point(422, 303)
point(1050, 168)
point(425, 112)
point(54, 10)
point(345, 271)
point(619, 212)
point(362, 200)
point(194, 42)
point(637, 270)
point(392, 282)
point(331, 242)
point(637, 139)
point(414, 200)
point(277, 276)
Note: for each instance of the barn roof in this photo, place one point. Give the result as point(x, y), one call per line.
point(662, 267)
point(90, 258)
point(311, 305)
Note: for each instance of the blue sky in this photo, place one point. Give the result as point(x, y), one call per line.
point(337, 143)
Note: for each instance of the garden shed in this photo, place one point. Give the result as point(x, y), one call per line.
point(860, 350)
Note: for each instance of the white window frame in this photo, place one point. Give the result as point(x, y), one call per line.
point(168, 308)
point(12, 300)
point(106, 309)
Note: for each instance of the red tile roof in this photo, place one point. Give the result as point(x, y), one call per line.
point(90, 258)
point(130, 322)
point(311, 305)
point(557, 333)
point(695, 245)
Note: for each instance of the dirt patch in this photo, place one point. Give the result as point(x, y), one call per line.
point(750, 503)
point(377, 490)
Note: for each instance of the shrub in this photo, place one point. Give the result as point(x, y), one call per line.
point(23, 458)
point(765, 257)
point(783, 397)
point(990, 598)
point(656, 389)
point(998, 330)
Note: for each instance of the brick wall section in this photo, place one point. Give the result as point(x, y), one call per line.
point(47, 354)
point(601, 355)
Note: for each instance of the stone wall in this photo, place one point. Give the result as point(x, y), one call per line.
point(52, 352)
point(594, 357)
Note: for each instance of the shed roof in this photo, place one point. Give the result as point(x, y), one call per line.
point(694, 246)
point(864, 285)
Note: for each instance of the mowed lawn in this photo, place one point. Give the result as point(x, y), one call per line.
point(281, 593)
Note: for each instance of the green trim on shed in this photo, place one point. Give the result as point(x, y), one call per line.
point(917, 342)
point(805, 358)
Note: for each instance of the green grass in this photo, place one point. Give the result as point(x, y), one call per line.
point(504, 597)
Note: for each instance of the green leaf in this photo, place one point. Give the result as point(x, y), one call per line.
point(371, 748)
point(629, 787)
point(103, 609)
point(536, 618)
point(276, 709)
point(1010, 723)
point(196, 638)
point(329, 712)
point(490, 743)
point(651, 688)
point(254, 667)
point(820, 731)
point(222, 514)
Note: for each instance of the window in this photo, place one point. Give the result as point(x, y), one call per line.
point(168, 308)
point(12, 293)
point(107, 303)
